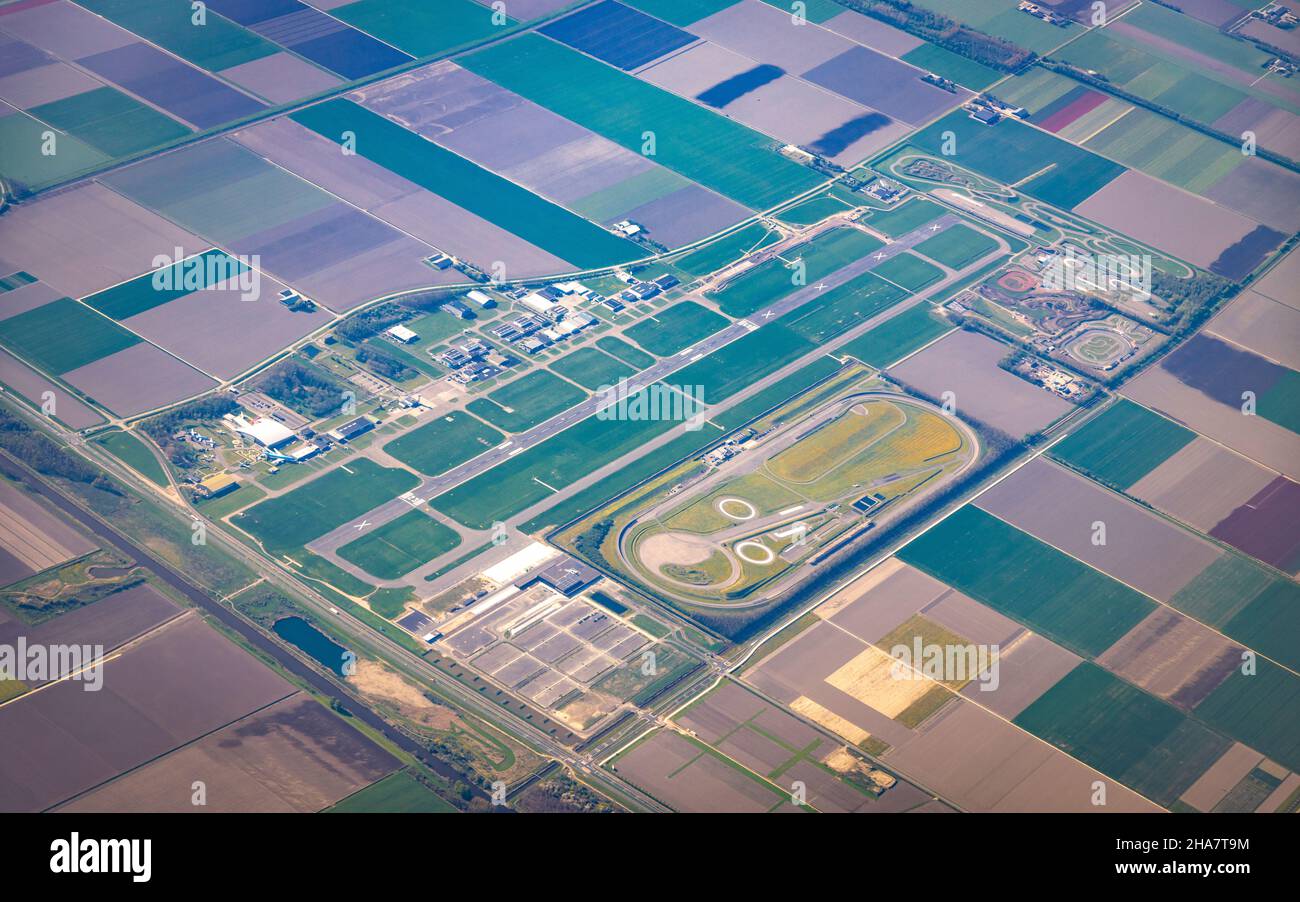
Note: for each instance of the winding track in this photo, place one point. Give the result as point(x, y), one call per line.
point(790, 435)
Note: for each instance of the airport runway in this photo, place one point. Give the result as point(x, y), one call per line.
point(436, 485)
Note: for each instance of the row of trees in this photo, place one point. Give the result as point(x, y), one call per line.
point(985, 49)
point(43, 455)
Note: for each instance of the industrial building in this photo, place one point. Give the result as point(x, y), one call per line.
point(401, 334)
point(351, 429)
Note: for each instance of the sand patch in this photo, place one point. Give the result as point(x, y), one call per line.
point(674, 548)
point(829, 719)
point(375, 680)
point(869, 678)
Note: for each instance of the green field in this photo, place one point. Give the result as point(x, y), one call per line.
point(957, 246)
point(727, 249)
point(418, 27)
point(253, 196)
point(527, 401)
point(633, 357)
point(1123, 444)
point(898, 336)
point(1003, 20)
point(744, 361)
point(675, 328)
point(1188, 86)
point(1259, 709)
point(1281, 403)
point(1270, 622)
point(775, 278)
point(814, 210)
point(395, 549)
point(397, 794)
point(681, 12)
point(685, 445)
point(441, 444)
point(1166, 149)
point(838, 309)
point(110, 121)
point(63, 335)
point(467, 185)
point(139, 294)
point(243, 496)
point(22, 139)
point(1137, 68)
point(435, 328)
point(218, 45)
point(907, 217)
point(135, 454)
point(1017, 575)
point(1011, 152)
point(703, 146)
point(966, 72)
point(1222, 590)
point(289, 521)
point(533, 475)
point(1123, 732)
point(592, 369)
point(909, 271)
point(605, 204)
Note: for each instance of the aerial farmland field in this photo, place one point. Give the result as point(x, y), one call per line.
point(651, 406)
point(1033, 582)
point(702, 146)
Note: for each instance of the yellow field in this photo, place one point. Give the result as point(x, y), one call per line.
point(808, 460)
point(930, 633)
point(906, 450)
point(829, 719)
point(869, 678)
point(924, 437)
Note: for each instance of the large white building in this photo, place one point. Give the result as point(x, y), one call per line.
point(538, 304)
point(263, 431)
